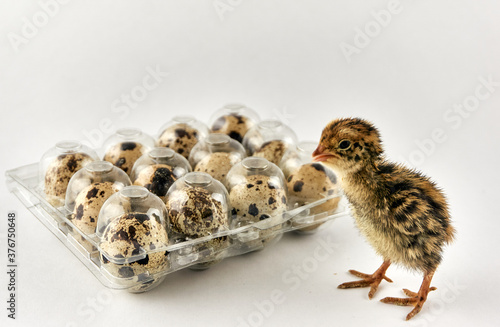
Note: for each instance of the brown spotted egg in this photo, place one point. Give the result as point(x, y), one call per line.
point(194, 212)
point(123, 155)
point(217, 164)
point(179, 137)
point(272, 151)
point(234, 125)
point(312, 182)
point(59, 173)
point(157, 179)
point(88, 203)
point(258, 199)
point(124, 237)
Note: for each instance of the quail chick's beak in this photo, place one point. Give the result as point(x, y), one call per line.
point(319, 155)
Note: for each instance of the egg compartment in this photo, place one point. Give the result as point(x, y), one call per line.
point(198, 206)
point(94, 172)
point(87, 191)
point(269, 139)
point(125, 146)
point(258, 195)
point(181, 134)
point(133, 232)
point(58, 165)
point(158, 169)
point(216, 155)
point(183, 253)
point(309, 181)
point(234, 119)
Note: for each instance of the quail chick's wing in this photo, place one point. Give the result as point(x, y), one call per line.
point(417, 210)
point(416, 205)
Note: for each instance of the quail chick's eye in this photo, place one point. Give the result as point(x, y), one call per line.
point(344, 144)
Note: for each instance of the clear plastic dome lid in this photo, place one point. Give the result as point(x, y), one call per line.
point(58, 165)
point(96, 172)
point(296, 156)
point(133, 236)
point(251, 166)
point(309, 181)
point(216, 155)
point(234, 120)
point(269, 139)
point(257, 188)
point(181, 134)
point(134, 201)
point(125, 146)
point(158, 169)
point(198, 205)
point(258, 194)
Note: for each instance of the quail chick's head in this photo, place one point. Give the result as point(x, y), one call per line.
point(348, 145)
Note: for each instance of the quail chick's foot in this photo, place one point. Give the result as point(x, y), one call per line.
point(415, 299)
point(372, 280)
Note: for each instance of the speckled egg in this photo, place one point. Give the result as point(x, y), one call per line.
point(157, 179)
point(195, 212)
point(179, 137)
point(59, 173)
point(312, 182)
point(217, 164)
point(258, 199)
point(272, 151)
point(88, 203)
point(236, 126)
point(123, 238)
point(123, 155)
point(212, 252)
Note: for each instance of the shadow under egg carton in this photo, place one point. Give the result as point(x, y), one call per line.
point(184, 253)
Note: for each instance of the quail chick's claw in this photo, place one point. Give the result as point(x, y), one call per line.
point(372, 280)
point(414, 299)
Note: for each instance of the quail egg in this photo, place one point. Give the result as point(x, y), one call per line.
point(179, 137)
point(123, 155)
point(217, 164)
point(124, 238)
point(233, 125)
point(257, 199)
point(272, 151)
point(59, 173)
point(157, 179)
point(196, 212)
point(88, 203)
point(312, 182)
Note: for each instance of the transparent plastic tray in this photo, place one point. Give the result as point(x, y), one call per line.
point(23, 181)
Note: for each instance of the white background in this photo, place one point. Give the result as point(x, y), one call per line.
point(284, 59)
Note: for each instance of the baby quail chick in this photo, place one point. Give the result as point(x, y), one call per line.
point(402, 213)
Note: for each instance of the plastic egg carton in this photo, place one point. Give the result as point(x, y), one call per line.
point(195, 253)
point(23, 183)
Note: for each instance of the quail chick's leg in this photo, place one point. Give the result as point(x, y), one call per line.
point(372, 280)
point(415, 299)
